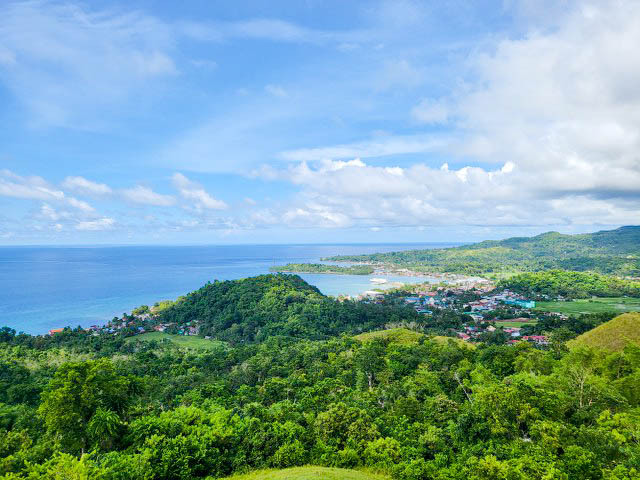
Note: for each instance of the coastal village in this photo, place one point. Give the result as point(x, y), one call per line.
point(484, 308)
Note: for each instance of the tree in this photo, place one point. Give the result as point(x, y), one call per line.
point(74, 395)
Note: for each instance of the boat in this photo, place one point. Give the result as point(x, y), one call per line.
point(378, 280)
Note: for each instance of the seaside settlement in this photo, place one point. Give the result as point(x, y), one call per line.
point(472, 308)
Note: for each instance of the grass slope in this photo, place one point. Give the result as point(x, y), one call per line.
point(402, 336)
point(613, 335)
point(592, 305)
point(310, 473)
point(185, 341)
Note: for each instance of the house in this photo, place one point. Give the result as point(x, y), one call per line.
point(55, 330)
point(463, 336)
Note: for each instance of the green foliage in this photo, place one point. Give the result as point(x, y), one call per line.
point(254, 309)
point(323, 268)
point(423, 408)
point(555, 283)
point(608, 252)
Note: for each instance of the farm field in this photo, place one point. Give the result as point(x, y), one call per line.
point(310, 473)
point(592, 305)
point(180, 340)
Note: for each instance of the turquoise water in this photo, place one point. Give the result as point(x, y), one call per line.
point(50, 287)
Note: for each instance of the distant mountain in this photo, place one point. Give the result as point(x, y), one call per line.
point(611, 252)
point(613, 335)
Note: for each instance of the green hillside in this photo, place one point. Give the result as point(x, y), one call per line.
point(254, 309)
point(310, 473)
point(613, 335)
point(609, 252)
point(402, 336)
point(322, 268)
point(554, 283)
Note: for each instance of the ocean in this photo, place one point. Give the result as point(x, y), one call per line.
point(50, 287)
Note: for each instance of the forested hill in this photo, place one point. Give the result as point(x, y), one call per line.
point(253, 309)
point(611, 252)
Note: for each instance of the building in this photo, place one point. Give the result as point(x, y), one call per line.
point(55, 330)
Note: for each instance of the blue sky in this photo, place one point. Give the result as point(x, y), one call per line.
point(316, 121)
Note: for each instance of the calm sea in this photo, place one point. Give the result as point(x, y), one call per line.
point(50, 287)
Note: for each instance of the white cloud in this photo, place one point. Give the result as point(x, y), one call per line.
point(66, 62)
point(194, 192)
point(377, 147)
point(430, 112)
point(84, 186)
point(96, 225)
point(146, 196)
point(80, 204)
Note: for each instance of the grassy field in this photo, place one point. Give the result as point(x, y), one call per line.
point(613, 335)
point(180, 340)
point(515, 324)
point(310, 473)
point(403, 336)
point(592, 305)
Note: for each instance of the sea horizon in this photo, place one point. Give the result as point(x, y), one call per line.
point(54, 286)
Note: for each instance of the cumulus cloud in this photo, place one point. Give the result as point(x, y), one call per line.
point(146, 196)
point(84, 186)
point(37, 188)
point(194, 192)
point(563, 105)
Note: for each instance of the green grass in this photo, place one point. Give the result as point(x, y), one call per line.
point(402, 336)
point(613, 335)
point(592, 305)
point(516, 324)
point(444, 340)
point(185, 341)
point(310, 473)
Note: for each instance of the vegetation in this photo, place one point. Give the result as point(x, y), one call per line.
point(614, 252)
point(558, 283)
point(310, 473)
point(613, 335)
point(323, 268)
point(254, 309)
point(592, 305)
point(185, 341)
point(402, 336)
point(293, 387)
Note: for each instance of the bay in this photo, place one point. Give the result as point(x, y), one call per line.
point(49, 287)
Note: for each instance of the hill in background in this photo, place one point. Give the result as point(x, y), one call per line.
point(613, 335)
point(614, 252)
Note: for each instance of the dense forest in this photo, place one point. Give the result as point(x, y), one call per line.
point(615, 252)
point(83, 406)
point(256, 308)
point(323, 268)
point(559, 283)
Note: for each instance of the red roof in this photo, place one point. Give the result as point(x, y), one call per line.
point(55, 330)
